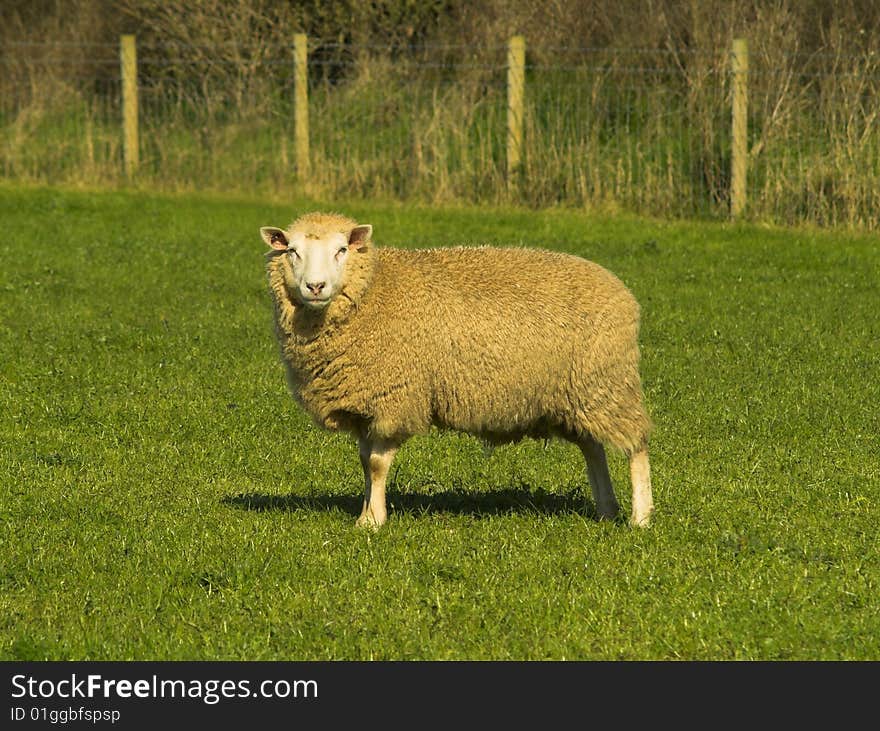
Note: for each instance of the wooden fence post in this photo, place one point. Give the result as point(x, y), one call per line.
point(128, 63)
point(739, 150)
point(301, 104)
point(516, 62)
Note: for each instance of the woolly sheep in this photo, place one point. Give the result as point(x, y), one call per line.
point(501, 343)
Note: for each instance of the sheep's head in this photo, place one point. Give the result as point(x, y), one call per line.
point(318, 248)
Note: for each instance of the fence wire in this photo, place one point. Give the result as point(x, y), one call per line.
point(631, 129)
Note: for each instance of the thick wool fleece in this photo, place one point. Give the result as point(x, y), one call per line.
point(498, 342)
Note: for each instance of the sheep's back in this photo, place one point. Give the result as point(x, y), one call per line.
point(530, 299)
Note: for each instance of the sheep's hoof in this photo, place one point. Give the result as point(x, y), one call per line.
point(640, 521)
point(368, 522)
point(607, 512)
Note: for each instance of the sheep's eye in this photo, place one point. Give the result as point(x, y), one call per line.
point(294, 253)
point(342, 251)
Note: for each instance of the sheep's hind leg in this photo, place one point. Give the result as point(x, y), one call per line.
point(376, 458)
point(600, 480)
point(642, 500)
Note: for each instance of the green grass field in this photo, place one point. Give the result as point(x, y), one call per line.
point(161, 496)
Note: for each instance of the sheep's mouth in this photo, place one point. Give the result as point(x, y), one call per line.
point(316, 303)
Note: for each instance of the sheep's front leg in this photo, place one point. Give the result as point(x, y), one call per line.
point(376, 458)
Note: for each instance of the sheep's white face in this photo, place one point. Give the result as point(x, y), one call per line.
point(317, 262)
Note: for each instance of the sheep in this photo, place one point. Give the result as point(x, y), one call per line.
point(501, 343)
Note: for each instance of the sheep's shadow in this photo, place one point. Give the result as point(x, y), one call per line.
point(510, 500)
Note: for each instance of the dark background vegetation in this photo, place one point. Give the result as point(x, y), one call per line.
point(798, 26)
point(627, 104)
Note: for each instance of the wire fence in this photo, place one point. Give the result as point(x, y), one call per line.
point(617, 129)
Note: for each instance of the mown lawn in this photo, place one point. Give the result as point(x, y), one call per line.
point(161, 496)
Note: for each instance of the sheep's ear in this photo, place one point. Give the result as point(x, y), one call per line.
point(274, 237)
point(359, 237)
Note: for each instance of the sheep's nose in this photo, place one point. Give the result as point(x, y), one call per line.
point(316, 287)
